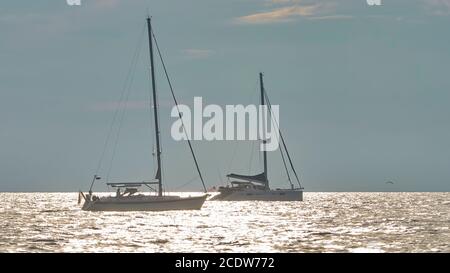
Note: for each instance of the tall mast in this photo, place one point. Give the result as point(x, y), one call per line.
point(263, 130)
point(155, 108)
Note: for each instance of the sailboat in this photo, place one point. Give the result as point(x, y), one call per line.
point(256, 187)
point(127, 197)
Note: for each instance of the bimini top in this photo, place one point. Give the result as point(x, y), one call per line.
point(261, 178)
point(131, 184)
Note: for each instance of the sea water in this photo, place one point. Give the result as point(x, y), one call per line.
point(324, 222)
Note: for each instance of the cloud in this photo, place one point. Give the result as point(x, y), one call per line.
point(291, 10)
point(279, 11)
point(283, 14)
point(193, 53)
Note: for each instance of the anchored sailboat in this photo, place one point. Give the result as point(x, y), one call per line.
point(256, 187)
point(127, 197)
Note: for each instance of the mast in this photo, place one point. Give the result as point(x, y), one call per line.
point(263, 130)
point(155, 108)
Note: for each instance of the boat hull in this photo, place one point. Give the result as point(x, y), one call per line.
point(258, 195)
point(146, 203)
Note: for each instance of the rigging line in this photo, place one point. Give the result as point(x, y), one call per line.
point(127, 95)
point(251, 157)
point(220, 177)
point(113, 121)
point(252, 95)
point(286, 167)
point(233, 156)
point(252, 151)
point(260, 159)
point(187, 183)
point(282, 140)
point(179, 113)
point(278, 139)
point(150, 112)
point(165, 187)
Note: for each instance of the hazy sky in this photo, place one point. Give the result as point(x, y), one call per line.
point(364, 92)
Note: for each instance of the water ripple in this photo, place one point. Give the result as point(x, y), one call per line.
point(324, 222)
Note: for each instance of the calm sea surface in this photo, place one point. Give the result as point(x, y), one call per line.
point(324, 222)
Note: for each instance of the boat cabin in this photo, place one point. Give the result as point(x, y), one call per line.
point(247, 185)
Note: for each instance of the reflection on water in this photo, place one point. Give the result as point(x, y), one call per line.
point(324, 222)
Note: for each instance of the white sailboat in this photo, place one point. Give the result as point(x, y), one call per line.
point(127, 197)
point(256, 187)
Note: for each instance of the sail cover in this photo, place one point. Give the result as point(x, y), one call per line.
point(261, 178)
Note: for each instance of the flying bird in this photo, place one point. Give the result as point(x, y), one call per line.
point(389, 182)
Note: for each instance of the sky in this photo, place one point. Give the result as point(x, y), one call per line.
point(363, 90)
